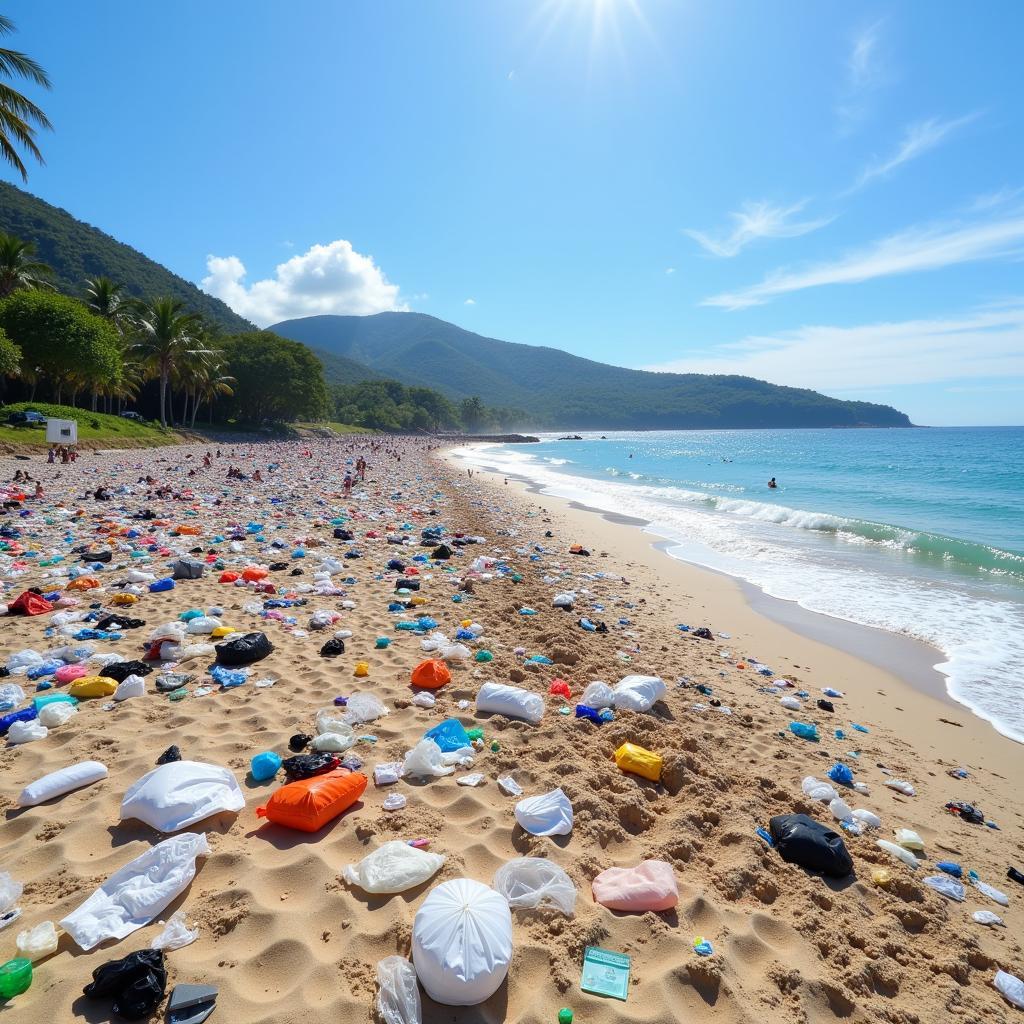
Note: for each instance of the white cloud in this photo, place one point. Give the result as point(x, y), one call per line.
point(912, 250)
point(756, 220)
point(670, 270)
point(917, 139)
point(982, 343)
point(990, 200)
point(331, 278)
point(470, 302)
point(864, 75)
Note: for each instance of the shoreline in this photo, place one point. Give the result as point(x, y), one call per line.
point(910, 660)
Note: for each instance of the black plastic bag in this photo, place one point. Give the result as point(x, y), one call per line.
point(170, 754)
point(119, 622)
point(277, 566)
point(407, 584)
point(442, 551)
point(396, 565)
point(97, 556)
point(826, 705)
point(704, 633)
point(804, 841)
point(299, 742)
point(245, 650)
point(305, 766)
point(340, 534)
point(137, 983)
point(119, 671)
point(332, 648)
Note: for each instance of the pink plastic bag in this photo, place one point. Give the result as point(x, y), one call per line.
point(69, 673)
point(651, 885)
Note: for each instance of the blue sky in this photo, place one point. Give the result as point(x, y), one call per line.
point(823, 194)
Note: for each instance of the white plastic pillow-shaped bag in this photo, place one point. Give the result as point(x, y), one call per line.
point(134, 895)
point(60, 782)
point(549, 814)
point(510, 701)
point(462, 942)
point(393, 867)
point(528, 882)
point(179, 794)
point(638, 693)
point(598, 695)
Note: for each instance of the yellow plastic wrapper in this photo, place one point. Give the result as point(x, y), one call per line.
point(223, 631)
point(93, 686)
point(362, 668)
point(881, 876)
point(639, 760)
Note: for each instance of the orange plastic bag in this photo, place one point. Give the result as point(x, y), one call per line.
point(83, 583)
point(228, 577)
point(431, 674)
point(188, 531)
point(253, 573)
point(309, 804)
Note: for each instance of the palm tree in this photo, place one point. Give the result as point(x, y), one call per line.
point(17, 267)
point(105, 298)
point(212, 383)
point(166, 337)
point(19, 116)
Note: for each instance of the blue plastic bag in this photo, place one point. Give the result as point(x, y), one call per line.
point(805, 730)
point(161, 585)
point(841, 773)
point(25, 715)
point(265, 766)
point(449, 735)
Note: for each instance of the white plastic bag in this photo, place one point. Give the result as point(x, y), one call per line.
point(817, 790)
point(11, 695)
point(898, 852)
point(903, 787)
point(130, 686)
point(987, 917)
point(332, 720)
point(135, 894)
point(26, 732)
point(598, 695)
point(790, 703)
point(991, 892)
point(638, 693)
point(566, 600)
point(364, 707)
point(462, 942)
point(334, 742)
point(56, 714)
point(510, 701)
point(527, 882)
point(393, 867)
point(398, 1001)
point(1011, 987)
point(179, 794)
point(455, 652)
point(424, 699)
point(549, 814)
point(22, 661)
point(176, 933)
point(35, 943)
point(10, 892)
point(867, 818)
point(947, 886)
point(62, 781)
point(425, 760)
point(840, 810)
point(909, 839)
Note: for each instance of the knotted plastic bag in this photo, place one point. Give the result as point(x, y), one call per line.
point(529, 882)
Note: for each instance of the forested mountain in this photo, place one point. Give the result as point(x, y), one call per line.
point(563, 390)
point(77, 251)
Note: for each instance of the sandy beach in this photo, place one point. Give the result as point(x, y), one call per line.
point(285, 939)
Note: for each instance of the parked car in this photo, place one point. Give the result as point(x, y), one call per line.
point(28, 418)
point(130, 414)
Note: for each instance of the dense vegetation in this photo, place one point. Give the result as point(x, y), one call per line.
point(76, 251)
point(561, 390)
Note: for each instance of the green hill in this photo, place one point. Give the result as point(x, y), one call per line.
point(341, 369)
point(565, 391)
point(77, 251)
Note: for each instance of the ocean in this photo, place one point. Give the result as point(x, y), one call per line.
point(918, 532)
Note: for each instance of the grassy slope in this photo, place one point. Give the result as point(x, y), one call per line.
point(112, 429)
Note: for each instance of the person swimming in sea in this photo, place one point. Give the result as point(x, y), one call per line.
point(772, 484)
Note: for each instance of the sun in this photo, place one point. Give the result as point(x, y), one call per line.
point(604, 24)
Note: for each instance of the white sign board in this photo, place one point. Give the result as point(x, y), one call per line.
point(62, 431)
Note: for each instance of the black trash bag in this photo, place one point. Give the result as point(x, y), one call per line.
point(305, 766)
point(188, 569)
point(245, 650)
point(119, 671)
point(408, 584)
point(299, 742)
point(396, 564)
point(277, 566)
point(136, 982)
point(352, 554)
point(441, 552)
point(332, 648)
point(340, 534)
point(704, 633)
point(119, 622)
point(170, 754)
point(804, 841)
point(297, 572)
point(97, 556)
point(826, 705)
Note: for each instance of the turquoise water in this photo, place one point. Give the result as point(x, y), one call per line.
point(919, 532)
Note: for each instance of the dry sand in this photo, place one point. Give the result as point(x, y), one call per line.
point(286, 940)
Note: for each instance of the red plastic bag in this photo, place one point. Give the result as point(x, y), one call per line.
point(560, 687)
point(30, 603)
point(309, 804)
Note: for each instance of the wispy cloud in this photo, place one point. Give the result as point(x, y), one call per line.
point(981, 343)
point(755, 220)
point(990, 200)
point(917, 139)
point(915, 249)
point(470, 302)
point(865, 74)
